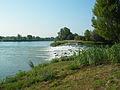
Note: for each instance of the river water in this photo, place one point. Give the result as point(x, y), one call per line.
point(14, 56)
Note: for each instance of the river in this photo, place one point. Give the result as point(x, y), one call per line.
point(14, 56)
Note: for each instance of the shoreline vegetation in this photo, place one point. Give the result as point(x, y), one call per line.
point(94, 68)
point(79, 42)
point(20, 38)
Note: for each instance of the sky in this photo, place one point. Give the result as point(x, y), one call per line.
point(44, 18)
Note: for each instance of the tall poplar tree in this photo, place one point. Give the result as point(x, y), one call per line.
point(106, 20)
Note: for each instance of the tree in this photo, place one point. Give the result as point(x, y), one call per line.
point(29, 37)
point(1, 37)
point(19, 37)
point(65, 34)
point(96, 37)
point(38, 38)
point(70, 37)
point(76, 36)
point(106, 20)
point(87, 35)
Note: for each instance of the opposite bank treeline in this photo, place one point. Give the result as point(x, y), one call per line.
point(25, 38)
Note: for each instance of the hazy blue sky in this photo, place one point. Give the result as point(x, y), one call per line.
point(44, 17)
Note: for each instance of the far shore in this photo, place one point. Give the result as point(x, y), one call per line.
point(24, 40)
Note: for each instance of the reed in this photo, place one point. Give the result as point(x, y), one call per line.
point(99, 55)
point(31, 64)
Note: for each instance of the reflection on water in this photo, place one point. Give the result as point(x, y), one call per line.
point(14, 56)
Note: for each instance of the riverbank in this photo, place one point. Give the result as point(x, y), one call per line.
point(85, 43)
point(60, 76)
point(90, 69)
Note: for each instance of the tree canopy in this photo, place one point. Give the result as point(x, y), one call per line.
point(87, 35)
point(65, 34)
point(106, 20)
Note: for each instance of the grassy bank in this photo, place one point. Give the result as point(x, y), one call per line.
point(87, 43)
point(60, 76)
point(90, 69)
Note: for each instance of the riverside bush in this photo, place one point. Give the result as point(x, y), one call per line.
point(98, 56)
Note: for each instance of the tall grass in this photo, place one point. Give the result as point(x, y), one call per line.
point(30, 63)
point(26, 79)
point(93, 56)
point(99, 55)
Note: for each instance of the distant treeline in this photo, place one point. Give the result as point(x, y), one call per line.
point(25, 38)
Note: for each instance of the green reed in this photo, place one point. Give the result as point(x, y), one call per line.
point(99, 55)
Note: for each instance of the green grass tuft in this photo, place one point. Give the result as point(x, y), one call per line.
point(73, 67)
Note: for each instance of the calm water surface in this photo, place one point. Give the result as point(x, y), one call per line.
point(14, 56)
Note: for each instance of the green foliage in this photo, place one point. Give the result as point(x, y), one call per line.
point(86, 43)
point(65, 34)
point(47, 75)
point(87, 35)
point(107, 19)
point(52, 76)
point(96, 37)
point(57, 43)
point(55, 83)
point(73, 67)
point(26, 79)
point(29, 37)
point(25, 38)
point(76, 37)
point(114, 53)
point(95, 56)
point(55, 60)
point(93, 36)
point(64, 58)
point(99, 55)
point(100, 82)
point(116, 73)
point(14, 79)
point(43, 65)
